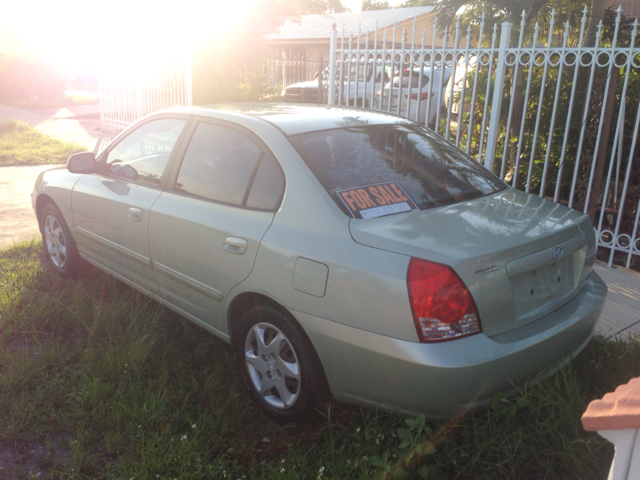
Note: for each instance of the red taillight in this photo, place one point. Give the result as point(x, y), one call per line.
point(442, 306)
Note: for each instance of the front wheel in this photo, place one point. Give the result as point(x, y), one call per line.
point(278, 364)
point(59, 245)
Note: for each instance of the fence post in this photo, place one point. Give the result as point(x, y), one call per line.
point(332, 65)
point(496, 104)
point(284, 69)
point(188, 79)
point(102, 99)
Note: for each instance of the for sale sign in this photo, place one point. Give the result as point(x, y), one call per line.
point(377, 200)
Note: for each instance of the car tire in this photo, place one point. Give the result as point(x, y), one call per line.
point(59, 245)
point(278, 364)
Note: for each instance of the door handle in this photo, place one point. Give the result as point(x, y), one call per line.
point(134, 214)
point(236, 245)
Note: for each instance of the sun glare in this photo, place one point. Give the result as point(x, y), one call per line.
point(89, 34)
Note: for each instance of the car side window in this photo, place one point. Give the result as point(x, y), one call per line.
point(267, 186)
point(225, 165)
point(143, 154)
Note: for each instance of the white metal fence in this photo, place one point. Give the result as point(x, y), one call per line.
point(286, 72)
point(126, 95)
point(549, 112)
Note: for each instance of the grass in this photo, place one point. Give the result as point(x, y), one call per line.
point(21, 144)
point(97, 381)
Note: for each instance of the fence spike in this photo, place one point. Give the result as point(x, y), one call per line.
point(618, 20)
point(598, 33)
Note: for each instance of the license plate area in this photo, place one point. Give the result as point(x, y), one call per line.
point(540, 284)
point(534, 290)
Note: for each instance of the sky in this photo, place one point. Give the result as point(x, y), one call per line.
point(86, 32)
point(82, 34)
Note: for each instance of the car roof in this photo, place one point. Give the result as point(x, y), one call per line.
point(294, 118)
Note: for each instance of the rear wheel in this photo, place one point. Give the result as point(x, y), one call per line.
point(278, 364)
point(59, 245)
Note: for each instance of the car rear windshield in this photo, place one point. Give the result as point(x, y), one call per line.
point(417, 80)
point(382, 164)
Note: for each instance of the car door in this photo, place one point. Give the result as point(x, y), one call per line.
point(111, 208)
point(205, 228)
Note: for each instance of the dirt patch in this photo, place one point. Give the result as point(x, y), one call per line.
point(34, 461)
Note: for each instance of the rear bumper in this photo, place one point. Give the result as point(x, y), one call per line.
point(443, 380)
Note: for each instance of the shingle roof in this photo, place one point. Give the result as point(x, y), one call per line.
point(319, 26)
point(630, 8)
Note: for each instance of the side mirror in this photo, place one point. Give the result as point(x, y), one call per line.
point(84, 162)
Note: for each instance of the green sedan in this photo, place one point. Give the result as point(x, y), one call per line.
point(344, 253)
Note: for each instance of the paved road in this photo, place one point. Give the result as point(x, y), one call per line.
point(17, 220)
point(80, 124)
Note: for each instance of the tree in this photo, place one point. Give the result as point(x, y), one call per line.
point(369, 5)
point(219, 59)
point(510, 10)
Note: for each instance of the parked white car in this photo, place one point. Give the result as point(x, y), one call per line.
point(418, 94)
point(358, 87)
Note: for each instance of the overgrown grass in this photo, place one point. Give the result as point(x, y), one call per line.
point(21, 144)
point(96, 381)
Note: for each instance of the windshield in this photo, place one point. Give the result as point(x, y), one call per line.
point(398, 167)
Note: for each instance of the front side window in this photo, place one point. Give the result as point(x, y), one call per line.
point(226, 166)
point(143, 154)
point(401, 167)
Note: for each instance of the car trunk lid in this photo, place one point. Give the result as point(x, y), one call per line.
point(520, 256)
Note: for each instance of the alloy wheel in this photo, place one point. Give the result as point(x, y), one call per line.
point(273, 366)
point(55, 241)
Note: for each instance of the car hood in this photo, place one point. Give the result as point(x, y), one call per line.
point(489, 242)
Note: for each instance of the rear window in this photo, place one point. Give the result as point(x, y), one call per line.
point(417, 80)
point(367, 169)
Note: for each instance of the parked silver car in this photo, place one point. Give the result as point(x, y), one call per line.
point(342, 252)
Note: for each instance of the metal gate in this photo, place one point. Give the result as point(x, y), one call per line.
point(288, 66)
point(549, 112)
point(128, 94)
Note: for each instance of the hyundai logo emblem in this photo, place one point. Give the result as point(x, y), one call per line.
point(556, 253)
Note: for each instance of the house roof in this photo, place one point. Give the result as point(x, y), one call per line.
point(630, 8)
point(318, 27)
